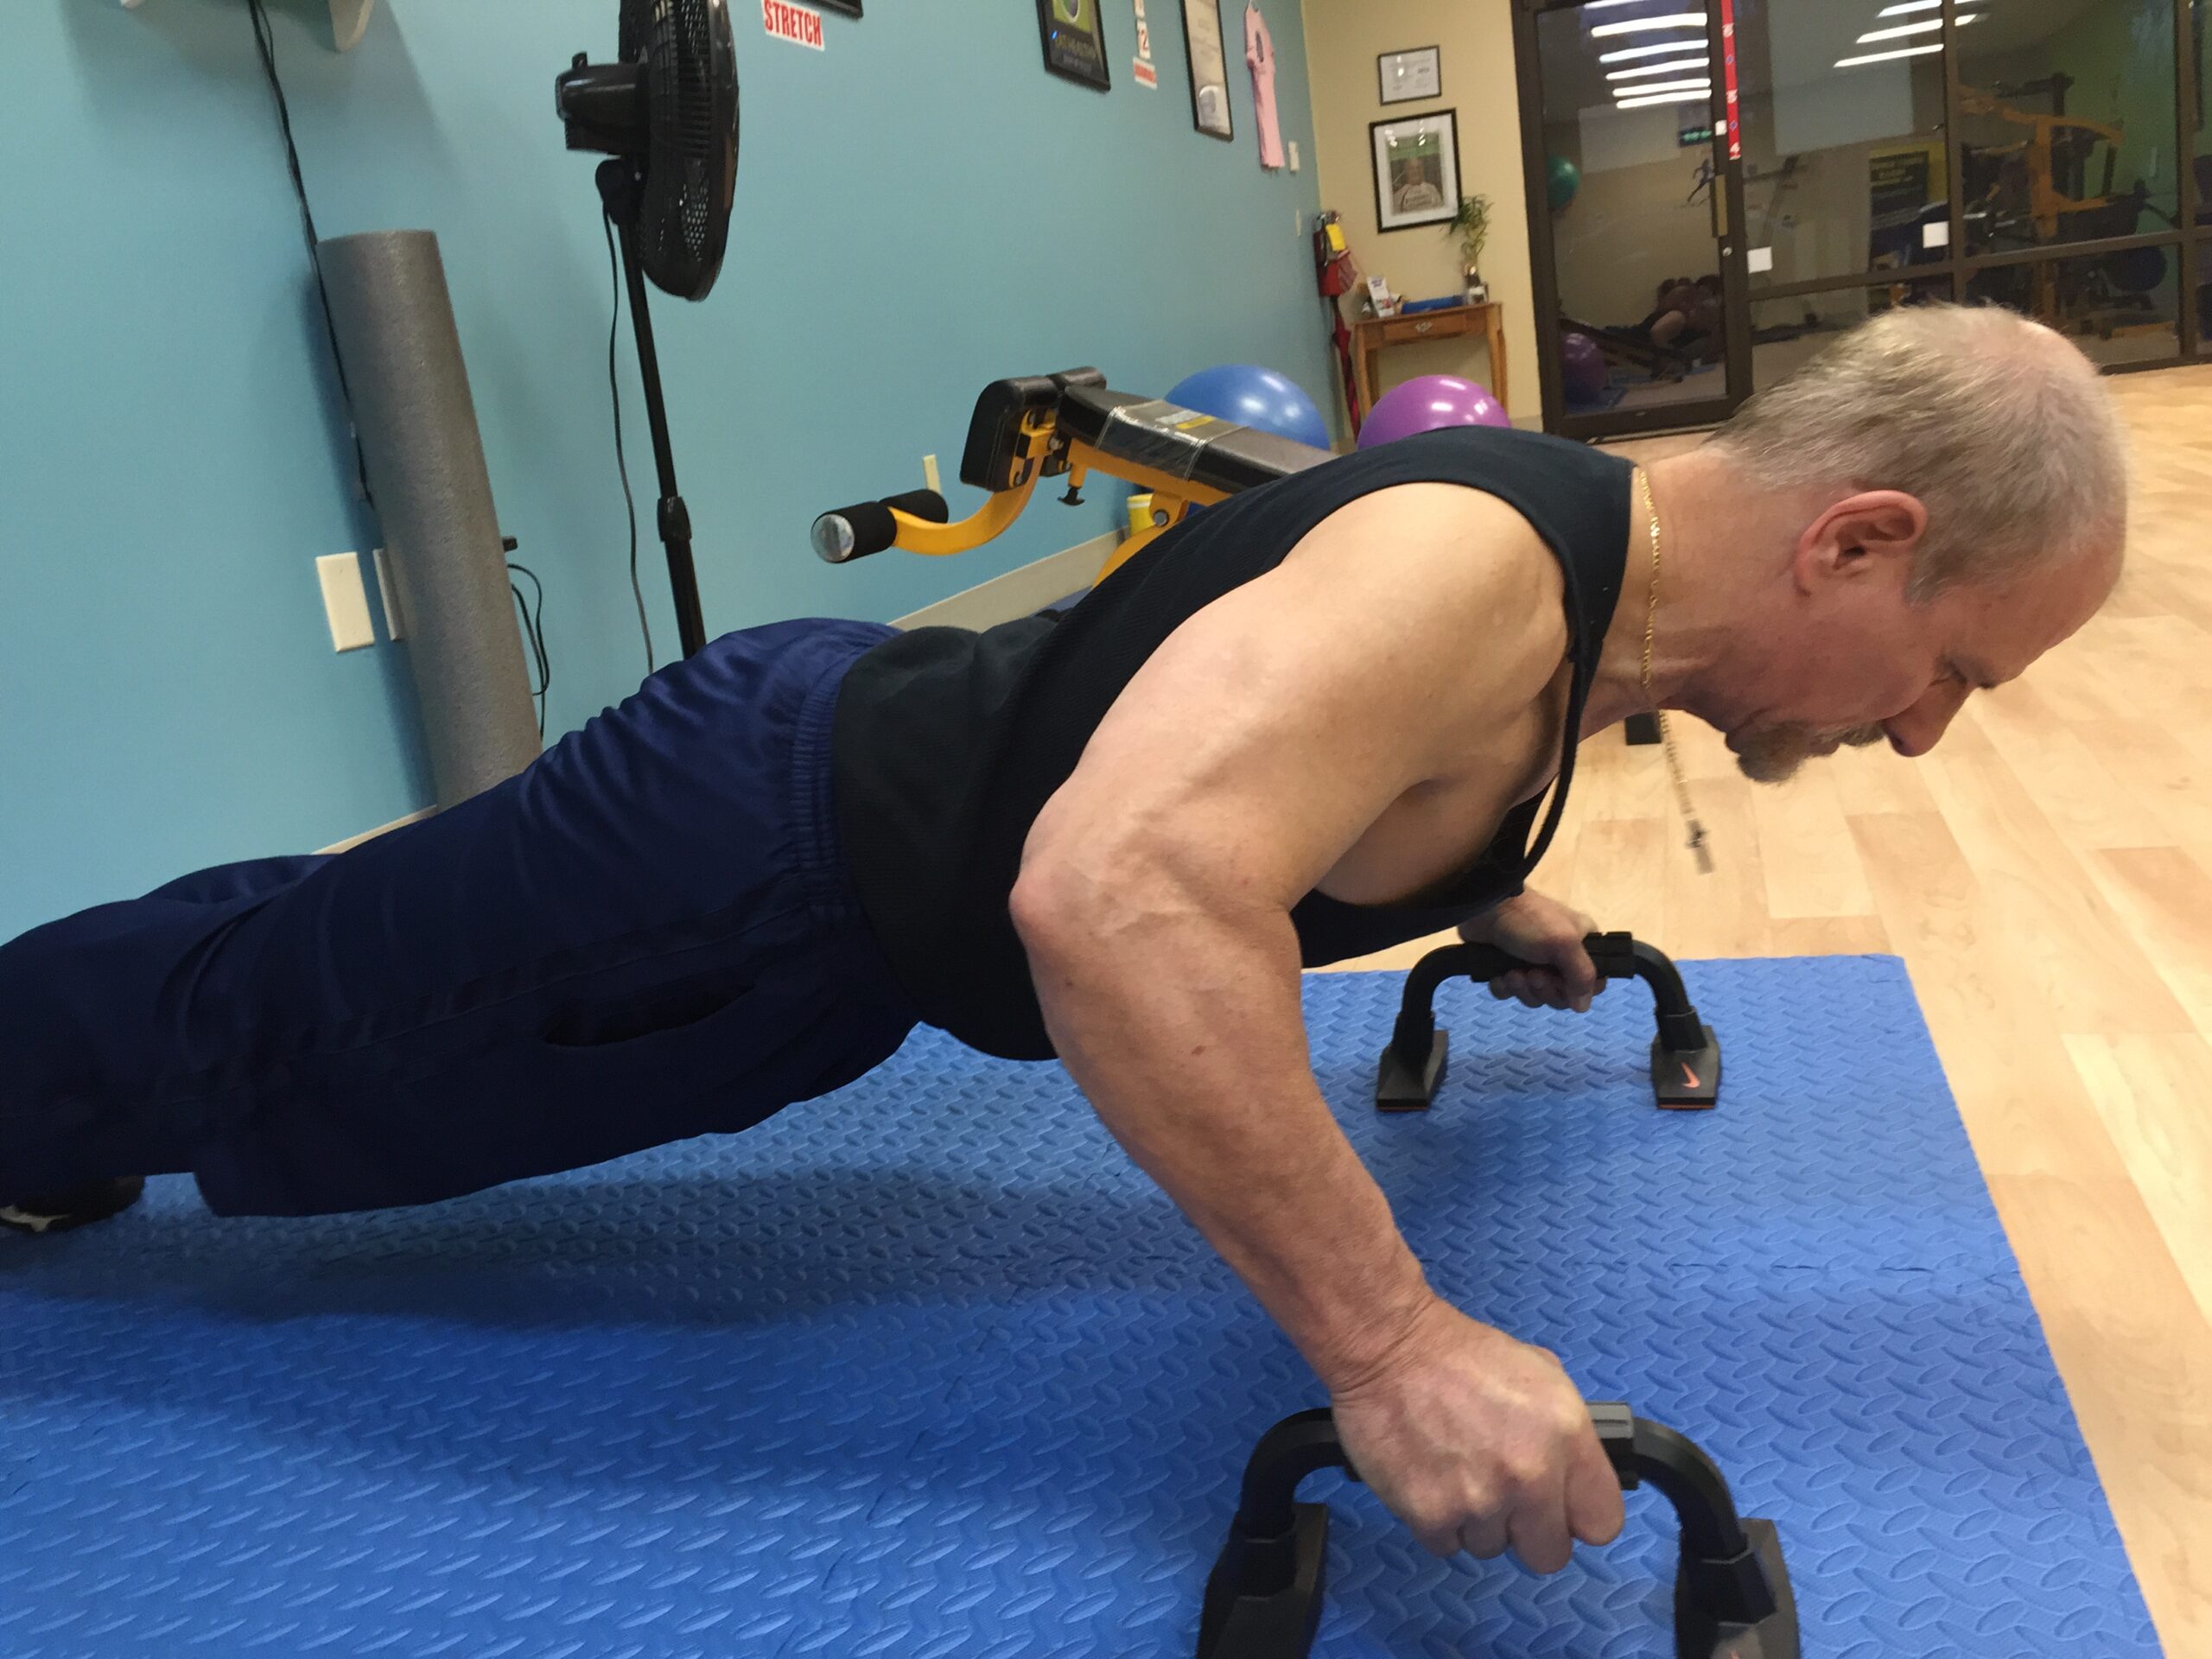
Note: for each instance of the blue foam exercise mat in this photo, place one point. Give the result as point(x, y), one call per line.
point(927, 1368)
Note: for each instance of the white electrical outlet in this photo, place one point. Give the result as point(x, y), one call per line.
point(1293, 155)
point(344, 601)
point(930, 476)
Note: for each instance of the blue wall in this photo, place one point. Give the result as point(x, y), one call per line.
point(921, 208)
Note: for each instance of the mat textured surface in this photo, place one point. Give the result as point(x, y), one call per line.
point(927, 1369)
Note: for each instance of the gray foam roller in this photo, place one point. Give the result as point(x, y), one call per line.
point(396, 333)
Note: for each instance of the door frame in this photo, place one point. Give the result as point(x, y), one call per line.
point(1735, 278)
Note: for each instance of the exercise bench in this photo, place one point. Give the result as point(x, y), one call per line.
point(1069, 425)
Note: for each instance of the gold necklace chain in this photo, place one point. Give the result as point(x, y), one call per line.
point(1698, 848)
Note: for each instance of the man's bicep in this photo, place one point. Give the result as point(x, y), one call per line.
point(1243, 742)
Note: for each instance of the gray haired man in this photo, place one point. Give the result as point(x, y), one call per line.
point(1320, 717)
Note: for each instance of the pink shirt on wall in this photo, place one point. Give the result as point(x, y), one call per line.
point(1260, 54)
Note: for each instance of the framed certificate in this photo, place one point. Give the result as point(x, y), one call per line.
point(1408, 77)
point(1209, 60)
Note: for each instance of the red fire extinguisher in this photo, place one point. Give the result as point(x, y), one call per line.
point(1336, 275)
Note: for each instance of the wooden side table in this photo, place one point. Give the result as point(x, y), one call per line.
point(1372, 336)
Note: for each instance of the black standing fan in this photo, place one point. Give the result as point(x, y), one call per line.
point(666, 114)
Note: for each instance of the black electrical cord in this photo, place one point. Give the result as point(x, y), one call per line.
point(266, 42)
point(615, 390)
point(533, 631)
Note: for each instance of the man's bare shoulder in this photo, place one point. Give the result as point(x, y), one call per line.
point(1408, 642)
point(1451, 561)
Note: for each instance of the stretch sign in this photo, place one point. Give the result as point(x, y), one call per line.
point(794, 23)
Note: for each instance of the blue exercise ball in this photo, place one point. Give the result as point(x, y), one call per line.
point(1255, 397)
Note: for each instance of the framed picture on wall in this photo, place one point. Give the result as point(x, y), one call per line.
point(1416, 170)
point(1208, 60)
point(1075, 44)
point(1411, 77)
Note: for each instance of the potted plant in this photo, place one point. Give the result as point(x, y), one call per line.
point(1472, 225)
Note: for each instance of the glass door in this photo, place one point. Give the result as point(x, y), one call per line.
point(2020, 153)
point(1848, 169)
point(1797, 166)
point(1637, 212)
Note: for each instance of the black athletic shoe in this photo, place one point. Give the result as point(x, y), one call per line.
point(57, 1212)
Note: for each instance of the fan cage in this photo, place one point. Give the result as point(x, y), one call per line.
point(691, 165)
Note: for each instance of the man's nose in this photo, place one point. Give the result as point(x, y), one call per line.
point(1920, 727)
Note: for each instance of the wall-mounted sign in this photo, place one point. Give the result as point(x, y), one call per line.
point(1075, 44)
point(796, 24)
point(1147, 76)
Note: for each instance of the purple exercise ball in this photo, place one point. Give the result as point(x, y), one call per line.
point(1582, 367)
point(1426, 403)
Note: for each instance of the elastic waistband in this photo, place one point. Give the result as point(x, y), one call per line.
point(822, 869)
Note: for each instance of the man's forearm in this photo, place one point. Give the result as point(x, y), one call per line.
point(1186, 1032)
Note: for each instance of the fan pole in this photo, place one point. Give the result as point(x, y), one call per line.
point(675, 517)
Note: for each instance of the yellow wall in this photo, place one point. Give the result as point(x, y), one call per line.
point(1343, 39)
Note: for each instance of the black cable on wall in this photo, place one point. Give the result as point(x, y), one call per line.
point(266, 42)
point(532, 613)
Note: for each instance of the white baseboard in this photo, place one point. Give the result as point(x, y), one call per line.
point(352, 842)
point(1019, 592)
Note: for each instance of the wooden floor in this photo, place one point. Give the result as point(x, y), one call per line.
point(2046, 874)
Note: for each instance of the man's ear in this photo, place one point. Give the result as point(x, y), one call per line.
point(1871, 530)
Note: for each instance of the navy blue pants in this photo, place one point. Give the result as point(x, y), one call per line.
point(648, 935)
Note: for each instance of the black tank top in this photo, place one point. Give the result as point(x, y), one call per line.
point(948, 742)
